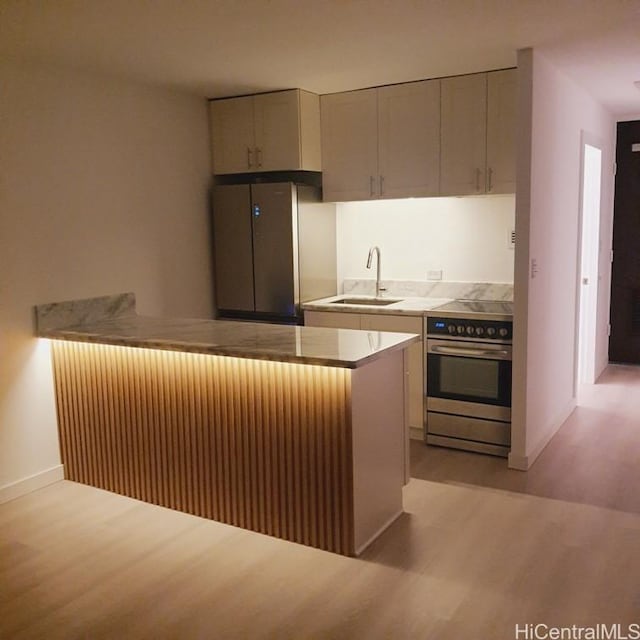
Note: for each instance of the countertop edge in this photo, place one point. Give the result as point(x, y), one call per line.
point(77, 335)
point(112, 320)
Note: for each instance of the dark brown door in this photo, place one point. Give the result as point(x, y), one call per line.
point(624, 342)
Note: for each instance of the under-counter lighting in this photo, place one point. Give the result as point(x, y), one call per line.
point(260, 444)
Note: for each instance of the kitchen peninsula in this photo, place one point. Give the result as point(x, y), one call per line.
point(295, 432)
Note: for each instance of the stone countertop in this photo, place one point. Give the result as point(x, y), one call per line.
point(407, 305)
point(284, 343)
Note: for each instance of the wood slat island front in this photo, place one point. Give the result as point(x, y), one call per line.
point(297, 433)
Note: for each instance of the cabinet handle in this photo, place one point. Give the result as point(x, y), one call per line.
point(489, 179)
point(381, 185)
point(371, 183)
point(478, 180)
point(259, 156)
point(249, 157)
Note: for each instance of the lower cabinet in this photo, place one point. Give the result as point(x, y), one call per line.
point(386, 322)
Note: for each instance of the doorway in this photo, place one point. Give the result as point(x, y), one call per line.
point(591, 181)
point(624, 341)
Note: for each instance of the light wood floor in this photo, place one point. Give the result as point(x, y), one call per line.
point(479, 549)
point(594, 459)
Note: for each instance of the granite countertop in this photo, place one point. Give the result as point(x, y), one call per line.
point(112, 320)
point(405, 305)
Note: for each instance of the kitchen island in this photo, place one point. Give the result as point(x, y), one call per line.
point(295, 432)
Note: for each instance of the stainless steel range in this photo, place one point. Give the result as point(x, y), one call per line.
point(468, 376)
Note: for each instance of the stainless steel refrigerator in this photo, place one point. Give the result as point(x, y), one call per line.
point(274, 248)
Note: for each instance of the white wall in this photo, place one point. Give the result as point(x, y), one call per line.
point(465, 237)
point(548, 214)
point(104, 189)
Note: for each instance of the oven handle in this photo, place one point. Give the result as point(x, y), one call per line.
point(496, 354)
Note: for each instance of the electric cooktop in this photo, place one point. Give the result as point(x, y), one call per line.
point(475, 308)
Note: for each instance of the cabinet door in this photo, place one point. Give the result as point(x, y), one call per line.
point(349, 125)
point(409, 139)
point(233, 252)
point(334, 320)
point(232, 135)
point(277, 131)
point(501, 131)
point(415, 360)
point(463, 138)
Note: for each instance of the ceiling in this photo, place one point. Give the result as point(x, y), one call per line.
point(228, 47)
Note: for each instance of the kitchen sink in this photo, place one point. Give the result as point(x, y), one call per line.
point(378, 302)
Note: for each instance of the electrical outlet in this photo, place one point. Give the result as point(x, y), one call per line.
point(434, 274)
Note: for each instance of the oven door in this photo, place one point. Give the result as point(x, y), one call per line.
point(469, 378)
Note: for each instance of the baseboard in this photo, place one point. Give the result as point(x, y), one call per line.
point(416, 433)
point(27, 485)
point(519, 463)
point(523, 463)
point(383, 528)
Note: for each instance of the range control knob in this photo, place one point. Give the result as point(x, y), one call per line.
point(470, 331)
point(491, 332)
point(503, 332)
point(460, 329)
point(451, 328)
point(479, 331)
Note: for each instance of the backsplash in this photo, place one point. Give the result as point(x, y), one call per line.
point(439, 289)
point(56, 315)
point(465, 239)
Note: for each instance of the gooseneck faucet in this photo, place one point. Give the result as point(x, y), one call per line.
point(376, 250)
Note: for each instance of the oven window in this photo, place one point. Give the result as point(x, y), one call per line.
point(470, 377)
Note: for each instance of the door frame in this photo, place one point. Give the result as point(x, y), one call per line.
point(591, 140)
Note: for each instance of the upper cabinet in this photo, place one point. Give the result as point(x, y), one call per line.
point(409, 139)
point(277, 131)
point(478, 133)
point(464, 135)
point(232, 135)
point(502, 89)
point(381, 143)
point(349, 145)
point(450, 137)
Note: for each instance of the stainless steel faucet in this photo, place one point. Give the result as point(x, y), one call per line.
point(376, 250)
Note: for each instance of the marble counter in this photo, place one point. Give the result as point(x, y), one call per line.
point(414, 298)
point(410, 305)
point(112, 320)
